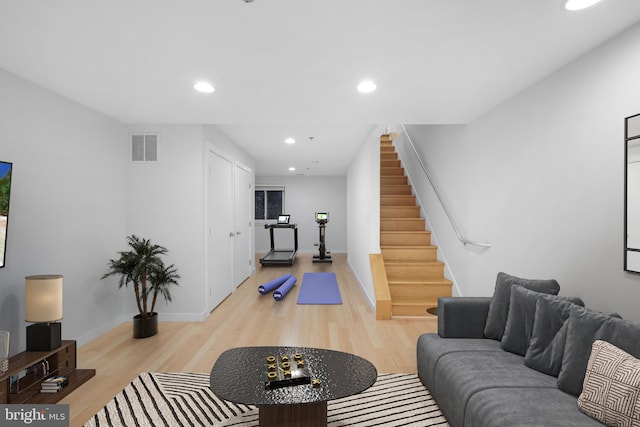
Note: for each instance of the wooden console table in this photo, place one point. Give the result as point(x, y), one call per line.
point(60, 361)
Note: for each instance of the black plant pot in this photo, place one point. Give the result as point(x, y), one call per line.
point(144, 327)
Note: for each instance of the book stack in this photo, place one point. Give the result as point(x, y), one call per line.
point(54, 384)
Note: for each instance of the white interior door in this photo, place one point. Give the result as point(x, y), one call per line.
point(242, 244)
point(220, 228)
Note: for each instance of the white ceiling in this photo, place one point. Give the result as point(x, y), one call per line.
point(290, 67)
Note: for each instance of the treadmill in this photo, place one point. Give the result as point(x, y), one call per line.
point(281, 256)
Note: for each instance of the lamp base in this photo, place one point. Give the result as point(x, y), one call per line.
point(44, 336)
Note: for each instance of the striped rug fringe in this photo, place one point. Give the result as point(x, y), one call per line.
point(185, 399)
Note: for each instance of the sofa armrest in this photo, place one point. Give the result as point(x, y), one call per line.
point(462, 317)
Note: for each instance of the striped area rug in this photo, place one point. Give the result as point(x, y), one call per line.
point(184, 399)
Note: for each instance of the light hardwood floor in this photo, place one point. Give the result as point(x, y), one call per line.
point(247, 318)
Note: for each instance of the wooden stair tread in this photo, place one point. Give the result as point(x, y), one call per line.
point(394, 180)
point(395, 190)
point(413, 301)
point(407, 246)
point(401, 219)
point(398, 196)
point(412, 263)
point(422, 236)
point(413, 307)
point(405, 232)
point(397, 201)
point(405, 224)
point(425, 282)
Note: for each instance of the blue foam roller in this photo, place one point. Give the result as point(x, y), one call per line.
point(284, 288)
point(269, 286)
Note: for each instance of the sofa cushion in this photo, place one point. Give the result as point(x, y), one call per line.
point(462, 317)
point(525, 406)
point(460, 375)
point(611, 391)
point(583, 328)
point(431, 348)
point(520, 319)
point(499, 307)
point(548, 336)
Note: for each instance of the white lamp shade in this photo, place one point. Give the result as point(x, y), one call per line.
point(43, 298)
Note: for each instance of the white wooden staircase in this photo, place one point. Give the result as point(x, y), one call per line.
point(413, 277)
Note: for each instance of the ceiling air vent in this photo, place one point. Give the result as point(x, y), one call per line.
point(144, 147)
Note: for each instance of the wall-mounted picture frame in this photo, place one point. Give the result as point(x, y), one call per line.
point(5, 195)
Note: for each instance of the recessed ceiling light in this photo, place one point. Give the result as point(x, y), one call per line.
point(204, 87)
point(290, 141)
point(366, 86)
point(579, 4)
point(292, 169)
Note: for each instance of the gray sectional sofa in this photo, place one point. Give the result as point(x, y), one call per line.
point(519, 358)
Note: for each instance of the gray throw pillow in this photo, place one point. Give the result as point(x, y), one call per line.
point(584, 327)
point(499, 306)
point(546, 346)
point(521, 316)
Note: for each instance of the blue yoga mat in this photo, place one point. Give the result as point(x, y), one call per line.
point(319, 288)
point(269, 286)
point(284, 288)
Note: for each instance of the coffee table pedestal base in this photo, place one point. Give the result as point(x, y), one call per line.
point(300, 415)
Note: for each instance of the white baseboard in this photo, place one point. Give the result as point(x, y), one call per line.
point(372, 303)
point(96, 332)
point(164, 317)
point(183, 317)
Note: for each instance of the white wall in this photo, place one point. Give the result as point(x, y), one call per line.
point(76, 196)
point(215, 136)
point(67, 208)
point(447, 162)
point(363, 195)
point(164, 202)
point(545, 182)
point(304, 196)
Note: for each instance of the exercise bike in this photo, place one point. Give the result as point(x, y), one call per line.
point(322, 218)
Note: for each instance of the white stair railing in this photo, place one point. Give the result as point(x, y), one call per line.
point(462, 239)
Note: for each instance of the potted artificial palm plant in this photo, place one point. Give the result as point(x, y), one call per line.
point(142, 266)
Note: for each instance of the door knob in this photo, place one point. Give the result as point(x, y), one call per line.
point(238, 233)
point(231, 234)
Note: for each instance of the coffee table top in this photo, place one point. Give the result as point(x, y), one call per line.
point(239, 375)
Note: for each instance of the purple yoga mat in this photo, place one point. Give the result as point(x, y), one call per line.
point(284, 288)
point(269, 286)
point(319, 288)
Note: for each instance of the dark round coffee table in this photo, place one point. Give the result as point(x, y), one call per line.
point(240, 376)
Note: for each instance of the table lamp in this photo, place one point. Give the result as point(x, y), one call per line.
point(43, 308)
